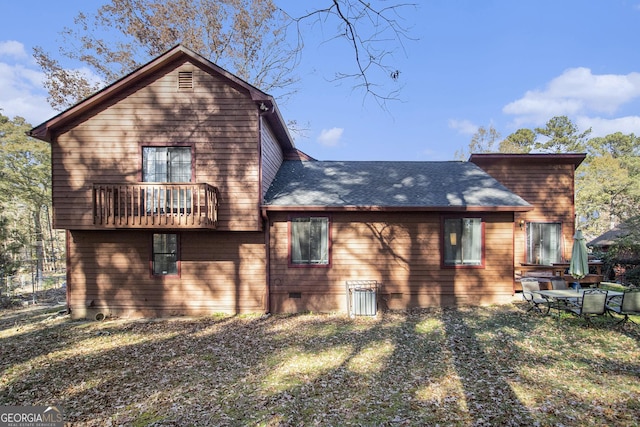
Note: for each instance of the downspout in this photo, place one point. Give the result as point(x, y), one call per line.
point(68, 270)
point(266, 108)
point(260, 195)
point(264, 218)
point(267, 246)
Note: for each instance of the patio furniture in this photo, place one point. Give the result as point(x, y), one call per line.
point(535, 301)
point(593, 303)
point(558, 283)
point(560, 298)
point(628, 304)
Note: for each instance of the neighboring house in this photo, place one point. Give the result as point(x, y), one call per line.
point(624, 267)
point(182, 192)
point(609, 238)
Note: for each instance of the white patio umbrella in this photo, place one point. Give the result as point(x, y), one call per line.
point(579, 265)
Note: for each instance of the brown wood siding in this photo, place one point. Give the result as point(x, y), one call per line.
point(402, 251)
point(220, 120)
point(549, 188)
point(109, 273)
point(272, 157)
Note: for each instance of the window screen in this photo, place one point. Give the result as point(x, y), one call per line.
point(165, 254)
point(462, 241)
point(166, 164)
point(310, 240)
point(543, 243)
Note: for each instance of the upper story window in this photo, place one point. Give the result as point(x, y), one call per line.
point(544, 242)
point(309, 241)
point(463, 242)
point(166, 164)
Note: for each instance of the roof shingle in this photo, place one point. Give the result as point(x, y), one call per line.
point(388, 184)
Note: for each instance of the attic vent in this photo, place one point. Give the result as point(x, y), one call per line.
point(185, 80)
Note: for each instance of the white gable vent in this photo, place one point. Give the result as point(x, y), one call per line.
point(185, 80)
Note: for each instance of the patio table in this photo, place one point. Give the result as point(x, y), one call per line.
point(569, 296)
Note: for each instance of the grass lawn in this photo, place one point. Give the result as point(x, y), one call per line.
point(467, 366)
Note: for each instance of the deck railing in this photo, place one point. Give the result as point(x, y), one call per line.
point(155, 205)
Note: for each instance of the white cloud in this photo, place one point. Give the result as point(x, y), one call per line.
point(463, 126)
point(12, 48)
point(22, 91)
point(330, 137)
point(589, 100)
point(604, 127)
point(575, 92)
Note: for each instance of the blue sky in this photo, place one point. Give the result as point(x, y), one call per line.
point(508, 64)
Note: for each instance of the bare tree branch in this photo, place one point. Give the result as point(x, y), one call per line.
point(373, 33)
point(248, 37)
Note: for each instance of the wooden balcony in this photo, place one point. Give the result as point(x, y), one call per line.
point(155, 205)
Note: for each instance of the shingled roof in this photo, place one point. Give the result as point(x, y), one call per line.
point(386, 185)
point(610, 237)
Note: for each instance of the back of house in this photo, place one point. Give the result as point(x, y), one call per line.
point(182, 192)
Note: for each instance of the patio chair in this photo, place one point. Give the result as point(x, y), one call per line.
point(593, 303)
point(558, 283)
point(535, 301)
point(630, 304)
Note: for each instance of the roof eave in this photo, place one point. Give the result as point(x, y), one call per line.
point(279, 208)
point(560, 158)
point(44, 130)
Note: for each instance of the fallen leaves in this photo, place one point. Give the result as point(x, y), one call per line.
point(467, 366)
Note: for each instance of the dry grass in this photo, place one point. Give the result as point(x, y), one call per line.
point(468, 366)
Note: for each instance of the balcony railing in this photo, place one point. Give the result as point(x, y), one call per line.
point(155, 205)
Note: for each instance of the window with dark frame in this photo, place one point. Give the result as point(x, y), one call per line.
point(164, 257)
point(463, 242)
point(309, 241)
point(544, 243)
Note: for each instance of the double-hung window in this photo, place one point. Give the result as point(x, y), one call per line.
point(463, 242)
point(544, 242)
point(309, 241)
point(164, 257)
point(167, 165)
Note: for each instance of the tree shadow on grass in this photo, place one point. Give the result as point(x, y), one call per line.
point(447, 367)
point(490, 400)
point(377, 369)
